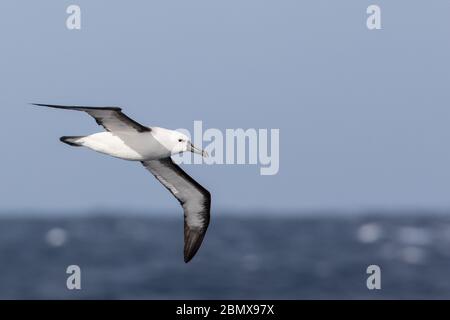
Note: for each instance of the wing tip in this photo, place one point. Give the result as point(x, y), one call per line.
point(189, 255)
point(74, 107)
point(192, 241)
point(45, 105)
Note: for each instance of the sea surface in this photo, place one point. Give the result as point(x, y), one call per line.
point(272, 256)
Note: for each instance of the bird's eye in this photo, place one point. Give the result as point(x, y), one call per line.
point(180, 140)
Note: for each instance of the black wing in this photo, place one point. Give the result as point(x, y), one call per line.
point(111, 118)
point(195, 200)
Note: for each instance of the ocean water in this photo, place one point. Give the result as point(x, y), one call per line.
point(288, 257)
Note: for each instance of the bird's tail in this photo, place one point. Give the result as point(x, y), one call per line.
point(72, 140)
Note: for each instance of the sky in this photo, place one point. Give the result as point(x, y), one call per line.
point(363, 114)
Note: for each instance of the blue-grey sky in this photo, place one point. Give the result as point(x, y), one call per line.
point(364, 116)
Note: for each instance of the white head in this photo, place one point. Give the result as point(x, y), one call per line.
point(176, 142)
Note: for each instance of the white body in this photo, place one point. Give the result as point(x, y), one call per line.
point(152, 145)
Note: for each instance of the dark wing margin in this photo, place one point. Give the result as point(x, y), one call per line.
point(195, 200)
point(110, 118)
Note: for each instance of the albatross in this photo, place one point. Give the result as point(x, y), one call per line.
point(126, 139)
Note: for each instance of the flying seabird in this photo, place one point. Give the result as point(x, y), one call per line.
point(126, 139)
